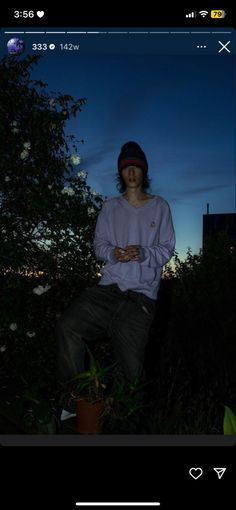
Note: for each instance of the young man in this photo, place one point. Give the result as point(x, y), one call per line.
point(134, 235)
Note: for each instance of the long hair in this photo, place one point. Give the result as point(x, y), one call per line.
point(121, 186)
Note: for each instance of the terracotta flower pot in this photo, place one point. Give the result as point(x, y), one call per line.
point(89, 416)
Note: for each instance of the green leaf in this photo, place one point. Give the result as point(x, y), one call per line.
point(229, 422)
point(84, 375)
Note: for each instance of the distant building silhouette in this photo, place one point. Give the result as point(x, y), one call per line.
point(214, 224)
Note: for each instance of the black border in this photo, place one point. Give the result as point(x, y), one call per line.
point(117, 14)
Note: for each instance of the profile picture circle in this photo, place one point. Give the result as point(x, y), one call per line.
point(15, 46)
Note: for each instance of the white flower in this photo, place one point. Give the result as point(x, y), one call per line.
point(2, 348)
point(84, 195)
point(7, 179)
point(14, 123)
point(4, 231)
point(49, 186)
point(68, 191)
point(93, 192)
point(75, 160)
point(15, 130)
point(24, 154)
point(27, 145)
point(30, 334)
point(13, 326)
point(91, 210)
point(40, 289)
point(82, 174)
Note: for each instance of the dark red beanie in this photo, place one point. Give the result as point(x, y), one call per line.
point(132, 154)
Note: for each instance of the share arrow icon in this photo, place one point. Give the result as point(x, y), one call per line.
point(219, 472)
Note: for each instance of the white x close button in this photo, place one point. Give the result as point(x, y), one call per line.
point(224, 46)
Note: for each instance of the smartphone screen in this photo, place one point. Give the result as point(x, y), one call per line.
point(76, 88)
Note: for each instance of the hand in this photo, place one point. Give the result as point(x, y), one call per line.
point(131, 252)
point(121, 254)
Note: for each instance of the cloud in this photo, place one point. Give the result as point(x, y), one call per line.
point(180, 196)
point(203, 189)
point(96, 156)
point(197, 171)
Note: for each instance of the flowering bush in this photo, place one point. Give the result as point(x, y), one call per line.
point(47, 220)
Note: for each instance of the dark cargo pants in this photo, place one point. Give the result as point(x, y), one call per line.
point(105, 311)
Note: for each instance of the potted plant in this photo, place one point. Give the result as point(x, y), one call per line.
point(89, 389)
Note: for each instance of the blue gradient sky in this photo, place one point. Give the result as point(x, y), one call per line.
point(179, 108)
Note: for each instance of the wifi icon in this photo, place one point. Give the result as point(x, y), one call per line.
point(203, 13)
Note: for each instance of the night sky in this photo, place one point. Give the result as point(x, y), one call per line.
point(179, 108)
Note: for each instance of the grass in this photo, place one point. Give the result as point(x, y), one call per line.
point(203, 415)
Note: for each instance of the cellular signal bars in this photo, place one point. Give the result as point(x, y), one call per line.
point(191, 15)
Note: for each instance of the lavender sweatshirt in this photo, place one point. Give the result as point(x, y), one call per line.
point(150, 226)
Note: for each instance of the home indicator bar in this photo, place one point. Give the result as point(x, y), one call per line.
point(118, 504)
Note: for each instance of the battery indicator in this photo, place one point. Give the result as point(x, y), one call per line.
point(218, 14)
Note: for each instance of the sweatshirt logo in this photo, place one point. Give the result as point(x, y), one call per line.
point(153, 224)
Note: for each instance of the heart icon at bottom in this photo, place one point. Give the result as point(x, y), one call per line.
point(196, 472)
